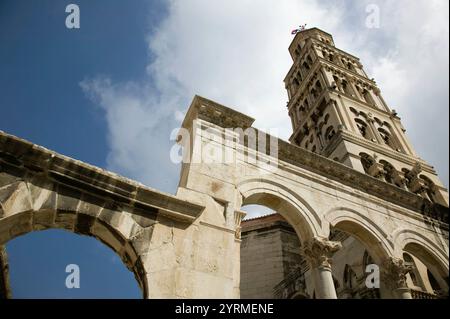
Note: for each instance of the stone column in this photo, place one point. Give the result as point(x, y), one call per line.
point(394, 272)
point(318, 252)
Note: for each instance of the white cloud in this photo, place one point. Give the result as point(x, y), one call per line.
point(235, 52)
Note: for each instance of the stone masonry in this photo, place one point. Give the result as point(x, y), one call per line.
point(187, 245)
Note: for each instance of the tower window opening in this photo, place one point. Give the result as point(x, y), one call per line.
point(387, 138)
point(367, 97)
point(330, 133)
point(306, 66)
point(346, 88)
point(363, 128)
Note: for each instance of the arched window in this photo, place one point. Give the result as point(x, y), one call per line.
point(350, 66)
point(318, 86)
point(306, 66)
point(363, 129)
point(306, 103)
point(368, 97)
point(346, 87)
point(330, 133)
point(387, 138)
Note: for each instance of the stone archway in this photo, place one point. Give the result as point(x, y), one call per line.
point(40, 189)
point(362, 228)
point(367, 233)
point(281, 199)
point(432, 263)
point(62, 208)
point(429, 252)
point(306, 223)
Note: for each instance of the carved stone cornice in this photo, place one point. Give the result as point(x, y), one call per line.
point(25, 159)
point(394, 273)
point(375, 147)
point(216, 113)
point(319, 251)
point(304, 159)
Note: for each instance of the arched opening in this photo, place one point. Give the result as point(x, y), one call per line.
point(272, 265)
point(364, 248)
point(430, 272)
point(27, 226)
point(271, 261)
point(413, 277)
point(59, 264)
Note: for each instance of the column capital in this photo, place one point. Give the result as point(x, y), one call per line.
point(319, 251)
point(395, 271)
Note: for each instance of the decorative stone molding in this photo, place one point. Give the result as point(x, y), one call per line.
point(319, 251)
point(395, 271)
point(371, 166)
point(414, 183)
point(297, 156)
point(215, 113)
point(21, 158)
point(238, 217)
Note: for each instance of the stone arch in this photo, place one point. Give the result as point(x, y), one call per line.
point(434, 257)
point(358, 225)
point(280, 198)
point(35, 206)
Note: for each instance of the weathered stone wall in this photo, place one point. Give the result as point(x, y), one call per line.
point(172, 252)
point(270, 251)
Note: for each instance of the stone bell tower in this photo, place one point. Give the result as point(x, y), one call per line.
point(337, 111)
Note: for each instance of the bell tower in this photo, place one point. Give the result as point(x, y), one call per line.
point(337, 111)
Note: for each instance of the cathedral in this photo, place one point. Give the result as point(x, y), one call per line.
point(359, 215)
point(330, 92)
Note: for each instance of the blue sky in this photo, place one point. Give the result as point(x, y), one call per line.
point(41, 64)
point(111, 92)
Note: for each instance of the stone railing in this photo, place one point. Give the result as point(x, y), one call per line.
point(418, 294)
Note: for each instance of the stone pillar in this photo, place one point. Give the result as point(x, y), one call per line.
point(394, 272)
point(318, 252)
